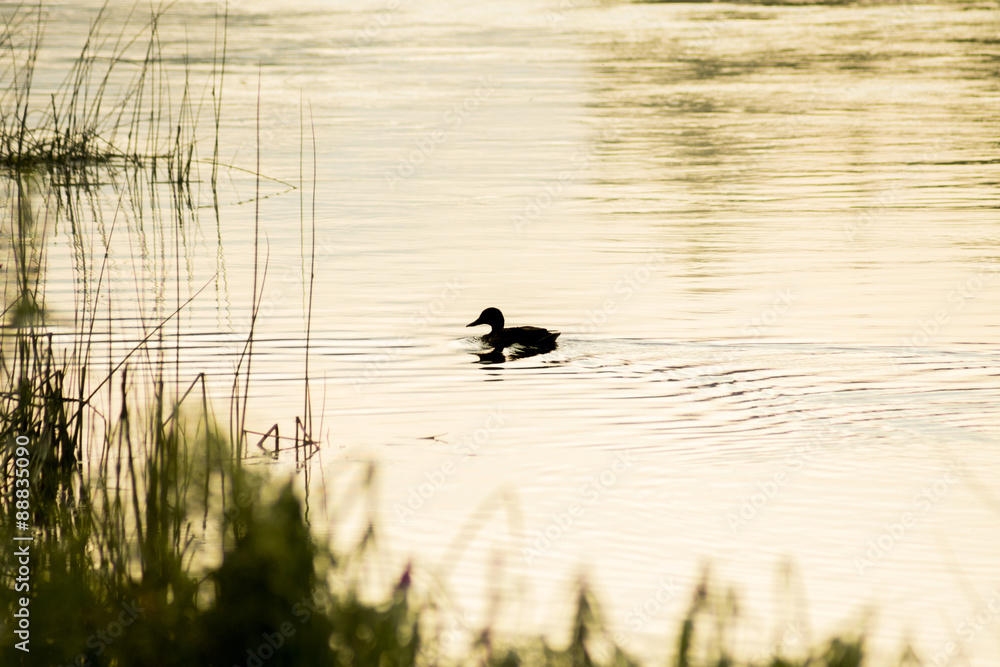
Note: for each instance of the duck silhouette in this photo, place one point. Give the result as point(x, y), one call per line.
point(533, 339)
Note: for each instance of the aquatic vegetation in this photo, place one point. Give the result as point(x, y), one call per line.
point(118, 104)
point(160, 551)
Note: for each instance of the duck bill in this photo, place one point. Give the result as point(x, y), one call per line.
point(476, 323)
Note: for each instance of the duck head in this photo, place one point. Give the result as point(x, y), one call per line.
point(490, 316)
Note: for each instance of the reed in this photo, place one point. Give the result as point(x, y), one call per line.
point(116, 105)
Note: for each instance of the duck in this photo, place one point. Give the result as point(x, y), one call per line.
point(531, 338)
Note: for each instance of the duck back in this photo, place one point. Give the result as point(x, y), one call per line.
point(531, 337)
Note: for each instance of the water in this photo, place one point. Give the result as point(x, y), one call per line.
point(769, 235)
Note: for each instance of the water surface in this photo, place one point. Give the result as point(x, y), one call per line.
point(769, 235)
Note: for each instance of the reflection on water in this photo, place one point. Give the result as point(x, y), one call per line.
point(768, 235)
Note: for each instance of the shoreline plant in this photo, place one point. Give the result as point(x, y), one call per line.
point(115, 106)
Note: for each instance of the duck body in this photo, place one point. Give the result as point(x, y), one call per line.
point(499, 337)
